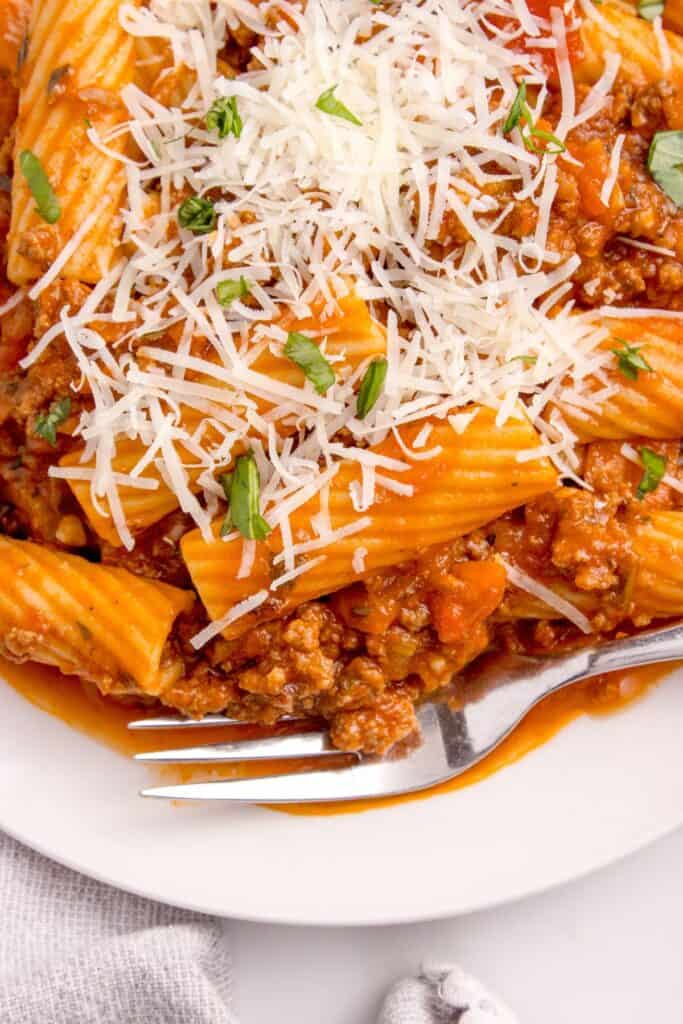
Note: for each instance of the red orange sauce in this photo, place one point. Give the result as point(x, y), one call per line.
point(82, 707)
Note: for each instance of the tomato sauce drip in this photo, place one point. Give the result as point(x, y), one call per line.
point(81, 706)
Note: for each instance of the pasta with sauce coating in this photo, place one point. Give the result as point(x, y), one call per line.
point(649, 404)
point(616, 29)
point(100, 621)
point(77, 60)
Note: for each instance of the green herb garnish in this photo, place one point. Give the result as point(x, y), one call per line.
point(47, 203)
point(228, 291)
point(521, 116)
point(650, 9)
point(56, 76)
point(22, 53)
point(308, 357)
point(527, 360)
point(665, 163)
point(245, 489)
point(329, 104)
point(198, 214)
point(85, 632)
point(47, 423)
point(655, 468)
point(225, 480)
point(371, 387)
point(629, 360)
point(224, 118)
point(516, 110)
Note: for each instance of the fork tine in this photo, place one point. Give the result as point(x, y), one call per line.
point(423, 767)
point(291, 788)
point(361, 781)
point(309, 744)
point(175, 722)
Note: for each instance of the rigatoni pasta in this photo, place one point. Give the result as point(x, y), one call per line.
point(76, 60)
point(650, 400)
point(97, 620)
point(618, 30)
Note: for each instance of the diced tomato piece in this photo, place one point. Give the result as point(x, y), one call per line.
point(474, 590)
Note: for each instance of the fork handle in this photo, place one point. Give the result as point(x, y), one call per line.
point(655, 645)
point(499, 694)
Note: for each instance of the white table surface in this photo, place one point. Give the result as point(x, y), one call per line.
point(606, 949)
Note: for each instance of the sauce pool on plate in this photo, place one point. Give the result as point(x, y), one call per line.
point(81, 706)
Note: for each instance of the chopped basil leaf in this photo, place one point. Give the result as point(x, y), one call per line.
point(244, 500)
point(551, 140)
point(371, 387)
point(85, 632)
point(329, 104)
point(521, 115)
point(655, 468)
point(650, 9)
point(665, 163)
point(198, 214)
point(630, 361)
point(47, 204)
point(56, 76)
point(308, 357)
point(527, 360)
point(225, 480)
point(516, 110)
point(228, 291)
point(22, 53)
point(224, 118)
point(46, 424)
point(87, 122)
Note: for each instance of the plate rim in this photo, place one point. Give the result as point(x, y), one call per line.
point(351, 922)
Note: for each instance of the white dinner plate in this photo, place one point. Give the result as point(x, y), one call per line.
point(600, 789)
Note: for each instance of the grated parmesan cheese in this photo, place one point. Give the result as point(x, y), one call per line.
point(310, 207)
point(238, 611)
point(565, 609)
point(612, 171)
point(358, 561)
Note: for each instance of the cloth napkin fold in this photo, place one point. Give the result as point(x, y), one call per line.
point(76, 951)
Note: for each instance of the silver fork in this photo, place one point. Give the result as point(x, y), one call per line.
point(496, 694)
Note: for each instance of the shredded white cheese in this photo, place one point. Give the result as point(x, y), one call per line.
point(662, 43)
point(63, 256)
point(309, 207)
point(359, 556)
point(566, 609)
point(237, 611)
point(612, 171)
